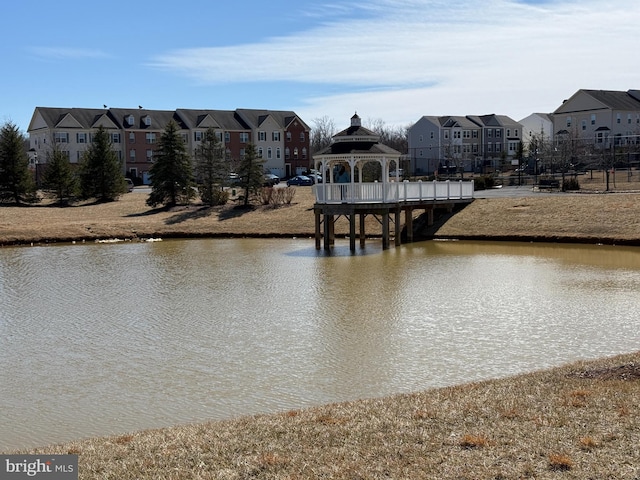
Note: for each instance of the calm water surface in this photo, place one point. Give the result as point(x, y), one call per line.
point(104, 339)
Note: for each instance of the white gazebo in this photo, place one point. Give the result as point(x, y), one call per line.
point(342, 194)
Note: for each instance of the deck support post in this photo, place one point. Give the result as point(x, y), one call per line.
point(385, 230)
point(363, 216)
point(318, 222)
point(396, 228)
point(352, 231)
point(408, 222)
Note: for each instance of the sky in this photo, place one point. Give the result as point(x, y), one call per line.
point(391, 61)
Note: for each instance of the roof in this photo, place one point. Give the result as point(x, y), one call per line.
point(357, 140)
point(282, 117)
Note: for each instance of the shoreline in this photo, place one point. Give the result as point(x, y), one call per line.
point(564, 218)
point(578, 420)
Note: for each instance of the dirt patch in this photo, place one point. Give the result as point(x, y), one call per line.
point(629, 371)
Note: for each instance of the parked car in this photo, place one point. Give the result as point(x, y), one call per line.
point(270, 180)
point(129, 183)
point(299, 180)
point(316, 177)
point(233, 179)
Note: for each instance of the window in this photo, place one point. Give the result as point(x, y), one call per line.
point(269, 153)
point(515, 132)
point(219, 136)
point(244, 137)
point(431, 135)
point(295, 153)
point(302, 136)
point(185, 138)
point(242, 153)
point(456, 134)
point(474, 148)
point(147, 121)
point(227, 137)
point(262, 136)
point(61, 137)
point(278, 153)
point(287, 153)
point(132, 137)
point(288, 136)
point(130, 120)
point(474, 134)
point(568, 122)
point(259, 152)
point(132, 155)
point(198, 136)
point(490, 147)
point(275, 136)
point(629, 118)
point(446, 134)
point(304, 153)
point(421, 153)
point(421, 139)
point(593, 119)
point(150, 137)
point(498, 147)
point(489, 133)
point(498, 133)
point(618, 118)
point(115, 138)
point(508, 132)
point(583, 124)
point(149, 155)
point(81, 138)
point(466, 134)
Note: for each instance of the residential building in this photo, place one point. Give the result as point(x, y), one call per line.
point(604, 120)
point(539, 125)
point(462, 143)
point(281, 137)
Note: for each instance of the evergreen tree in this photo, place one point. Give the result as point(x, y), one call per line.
point(251, 172)
point(101, 174)
point(171, 174)
point(59, 178)
point(16, 180)
point(211, 169)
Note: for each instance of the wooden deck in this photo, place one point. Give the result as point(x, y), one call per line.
point(382, 200)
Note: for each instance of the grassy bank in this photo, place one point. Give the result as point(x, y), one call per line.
point(575, 422)
point(587, 217)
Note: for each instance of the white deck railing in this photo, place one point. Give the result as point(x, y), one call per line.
point(392, 192)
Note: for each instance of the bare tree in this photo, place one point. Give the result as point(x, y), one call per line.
point(322, 133)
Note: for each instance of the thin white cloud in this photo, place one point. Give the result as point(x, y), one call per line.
point(65, 53)
point(416, 49)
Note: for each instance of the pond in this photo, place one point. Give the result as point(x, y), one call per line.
point(102, 339)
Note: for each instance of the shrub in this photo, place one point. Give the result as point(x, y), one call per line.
point(289, 193)
point(215, 197)
point(570, 184)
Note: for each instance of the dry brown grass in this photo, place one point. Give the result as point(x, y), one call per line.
point(457, 432)
point(592, 218)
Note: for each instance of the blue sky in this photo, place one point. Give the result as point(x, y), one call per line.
point(389, 60)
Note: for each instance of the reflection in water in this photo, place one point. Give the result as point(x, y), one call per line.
point(101, 339)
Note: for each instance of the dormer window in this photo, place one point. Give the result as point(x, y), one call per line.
point(147, 121)
point(130, 120)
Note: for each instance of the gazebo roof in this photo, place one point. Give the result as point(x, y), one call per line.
point(357, 140)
